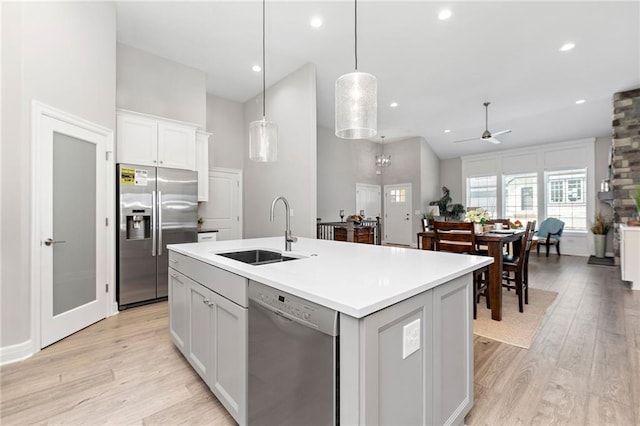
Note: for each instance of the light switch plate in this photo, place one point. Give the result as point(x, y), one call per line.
point(410, 338)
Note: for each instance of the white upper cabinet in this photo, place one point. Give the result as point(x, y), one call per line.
point(155, 141)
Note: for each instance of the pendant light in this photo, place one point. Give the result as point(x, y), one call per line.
point(263, 134)
point(356, 100)
point(383, 160)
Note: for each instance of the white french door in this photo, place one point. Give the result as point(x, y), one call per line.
point(397, 214)
point(368, 198)
point(71, 207)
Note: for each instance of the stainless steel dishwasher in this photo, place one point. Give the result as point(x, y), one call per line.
point(293, 359)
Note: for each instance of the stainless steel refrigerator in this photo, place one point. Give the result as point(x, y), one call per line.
point(156, 206)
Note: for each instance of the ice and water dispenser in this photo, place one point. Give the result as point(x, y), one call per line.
point(138, 223)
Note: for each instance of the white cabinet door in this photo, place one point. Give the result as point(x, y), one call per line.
point(228, 377)
point(176, 146)
point(137, 140)
point(202, 165)
point(200, 336)
point(178, 321)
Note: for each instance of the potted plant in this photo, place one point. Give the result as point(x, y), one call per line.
point(479, 217)
point(200, 222)
point(600, 228)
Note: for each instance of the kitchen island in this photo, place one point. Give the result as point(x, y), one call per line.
point(388, 372)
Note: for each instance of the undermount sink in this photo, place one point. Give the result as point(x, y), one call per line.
point(257, 257)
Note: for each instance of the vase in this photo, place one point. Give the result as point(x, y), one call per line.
point(478, 228)
point(600, 243)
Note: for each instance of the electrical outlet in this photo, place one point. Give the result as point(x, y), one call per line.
point(410, 338)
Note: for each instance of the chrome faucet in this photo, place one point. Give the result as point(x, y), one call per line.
point(288, 239)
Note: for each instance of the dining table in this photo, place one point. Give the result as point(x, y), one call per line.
point(495, 240)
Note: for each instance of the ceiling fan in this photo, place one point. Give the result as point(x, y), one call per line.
point(487, 135)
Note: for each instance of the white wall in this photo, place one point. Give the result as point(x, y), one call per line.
point(224, 122)
point(62, 54)
point(451, 177)
point(153, 85)
point(291, 103)
point(429, 176)
point(341, 164)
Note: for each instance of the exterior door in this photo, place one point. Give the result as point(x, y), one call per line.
point(223, 210)
point(368, 199)
point(71, 185)
point(397, 208)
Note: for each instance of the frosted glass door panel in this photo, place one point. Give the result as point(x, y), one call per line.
point(74, 223)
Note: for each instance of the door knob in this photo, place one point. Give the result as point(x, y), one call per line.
point(50, 241)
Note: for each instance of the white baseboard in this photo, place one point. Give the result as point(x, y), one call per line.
point(18, 352)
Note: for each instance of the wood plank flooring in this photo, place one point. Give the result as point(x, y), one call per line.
point(583, 367)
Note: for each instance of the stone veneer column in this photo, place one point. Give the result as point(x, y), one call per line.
point(626, 156)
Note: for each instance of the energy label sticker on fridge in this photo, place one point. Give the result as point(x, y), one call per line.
point(127, 176)
point(141, 177)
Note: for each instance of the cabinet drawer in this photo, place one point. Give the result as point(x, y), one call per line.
point(231, 286)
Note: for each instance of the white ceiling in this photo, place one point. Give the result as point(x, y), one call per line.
point(439, 72)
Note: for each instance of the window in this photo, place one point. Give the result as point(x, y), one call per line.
point(566, 197)
point(397, 195)
point(520, 196)
point(482, 192)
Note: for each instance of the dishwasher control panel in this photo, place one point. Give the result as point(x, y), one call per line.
point(294, 308)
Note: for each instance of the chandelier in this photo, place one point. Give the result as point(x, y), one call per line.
point(383, 160)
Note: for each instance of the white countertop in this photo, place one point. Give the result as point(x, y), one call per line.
point(355, 279)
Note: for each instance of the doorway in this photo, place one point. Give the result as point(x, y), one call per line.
point(397, 214)
point(368, 198)
point(224, 208)
point(71, 240)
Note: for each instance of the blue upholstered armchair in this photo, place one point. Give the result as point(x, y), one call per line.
point(549, 233)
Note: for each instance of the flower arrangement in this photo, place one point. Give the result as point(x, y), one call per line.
point(601, 225)
point(516, 224)
point(356, 218)
point(478, 215)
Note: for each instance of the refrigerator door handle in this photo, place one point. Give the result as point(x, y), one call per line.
point(153, 223)
point(159, 223)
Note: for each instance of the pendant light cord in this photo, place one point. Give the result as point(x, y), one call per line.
point(355, 16)
point(264, 71)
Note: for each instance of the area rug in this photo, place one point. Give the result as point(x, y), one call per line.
point(602, 261)
point(517, 329)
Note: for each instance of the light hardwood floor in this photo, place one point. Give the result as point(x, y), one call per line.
point(582, 368)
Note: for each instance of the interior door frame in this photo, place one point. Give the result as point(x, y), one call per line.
point(40, 110)
point(386, 210)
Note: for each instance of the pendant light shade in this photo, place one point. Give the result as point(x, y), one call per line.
point(356, 106)
point(263, 140)
point(356, 100)
point(263, 134)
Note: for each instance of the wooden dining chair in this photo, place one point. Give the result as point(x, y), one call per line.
point(514, 268)
point(505, 222)
point(459, 237)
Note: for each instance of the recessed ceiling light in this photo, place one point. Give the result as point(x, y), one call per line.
point(393, 104)
point(580, 101)
point(444, 14)
point(316, 22)
point(567, 46)
point(447, 131)
point(256, 68)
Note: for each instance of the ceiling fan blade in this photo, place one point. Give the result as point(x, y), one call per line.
point(466, 140)
point(502, 132)
point(491, 140)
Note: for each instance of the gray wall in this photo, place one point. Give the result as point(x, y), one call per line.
point(291, 103)
point(429, 176)
point(224, 122)
point(341, 164)
point(71, 66)
point(153, 85)
point(451, 177)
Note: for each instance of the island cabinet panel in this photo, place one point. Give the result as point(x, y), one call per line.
point(215, 328)
point(178, 321)
point(453, 357)
point(432, 385)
